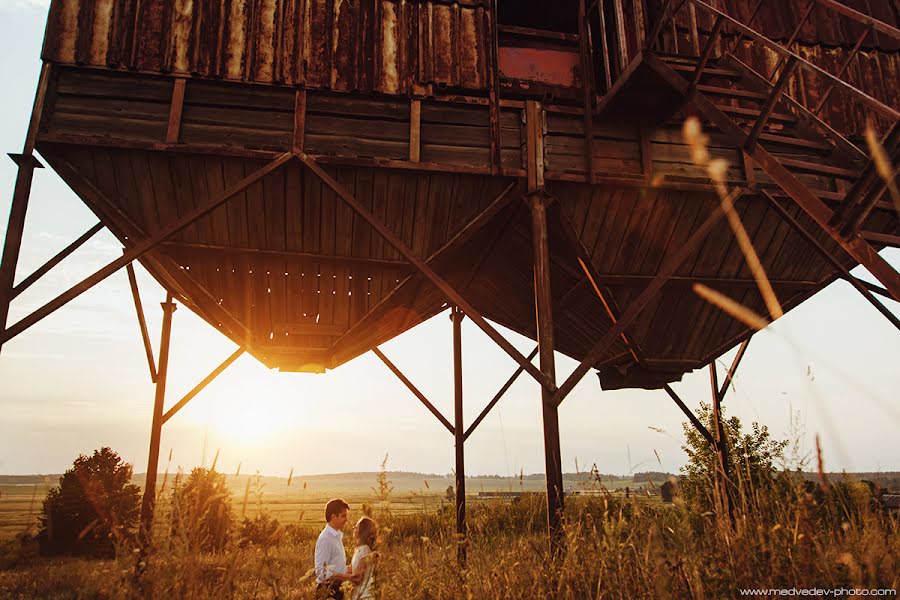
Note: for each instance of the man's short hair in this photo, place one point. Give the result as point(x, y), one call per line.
point(335, 507)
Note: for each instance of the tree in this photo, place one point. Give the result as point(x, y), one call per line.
point(751, 457)
point(201, 510)
point(94, 507)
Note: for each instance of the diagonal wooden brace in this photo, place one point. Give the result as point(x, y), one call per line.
point(700, 427)
point(498, 396)
point(412, 388)
point(427, 271)
point(634, 309)
point(58, 258)
point(200, 386)
point(142, 247)
point(142, 322)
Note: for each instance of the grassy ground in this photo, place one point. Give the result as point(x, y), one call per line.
point(614, 548)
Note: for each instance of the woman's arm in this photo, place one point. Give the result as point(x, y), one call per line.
point(360, 573)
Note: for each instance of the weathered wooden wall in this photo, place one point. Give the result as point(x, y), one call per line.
point(385, 46)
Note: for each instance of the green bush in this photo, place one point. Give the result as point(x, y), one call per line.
point(94, 507)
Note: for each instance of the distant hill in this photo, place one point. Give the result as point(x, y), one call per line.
point(406, 482)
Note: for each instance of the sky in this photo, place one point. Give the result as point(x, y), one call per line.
point(79, 379)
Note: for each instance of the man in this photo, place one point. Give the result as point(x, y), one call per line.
point(331, 561)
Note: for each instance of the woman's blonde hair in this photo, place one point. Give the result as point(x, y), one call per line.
point(368, 531)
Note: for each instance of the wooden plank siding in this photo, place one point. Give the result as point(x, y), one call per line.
point(386, 46)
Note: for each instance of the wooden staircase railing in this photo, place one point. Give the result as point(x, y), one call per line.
point(867, 189)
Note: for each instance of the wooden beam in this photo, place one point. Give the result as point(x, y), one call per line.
point(621, 40)
point(616, 280)
point(838, 265)
point(202, 385)
point(456, 316)
point(26, 163)
point(498, 396)
point(58, 258)
point(588, 89)
point(666, 271)
point(534, 146)
point(298, 138)
point(142, 322)
point(543, 300)
point(464, 234)
point(733, 369)
point(700, 427)
point(879, 26)
point(415, 130)
point(173, 132)
point(882, 239)
point(412, 388)
point(721, 441)
point(148, 500)
point(142, 247)
point(193, 247)
point(425, 270)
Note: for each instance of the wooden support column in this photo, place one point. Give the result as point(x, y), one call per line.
point(173, 132)
point(722, 480)
point(543, 300)
point(148, 501)
point(415, 130)
point(587, 69)
point(26, 163)
point(456, 316)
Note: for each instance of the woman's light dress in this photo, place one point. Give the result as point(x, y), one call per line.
point(365, 589)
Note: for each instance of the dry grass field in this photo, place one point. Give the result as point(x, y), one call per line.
point(615, 547)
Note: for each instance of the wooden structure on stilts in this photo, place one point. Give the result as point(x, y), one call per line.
point(315, 177)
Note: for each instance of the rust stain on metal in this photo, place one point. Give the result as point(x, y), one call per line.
point(181, 32)
point(390, 76)
point(264, 57)
point(100, 32)
point(234, 55)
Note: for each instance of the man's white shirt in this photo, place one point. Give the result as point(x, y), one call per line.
point(330, 555)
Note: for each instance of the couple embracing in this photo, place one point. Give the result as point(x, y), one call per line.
point(331, 560)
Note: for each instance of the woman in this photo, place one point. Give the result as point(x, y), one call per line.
point(362, 566)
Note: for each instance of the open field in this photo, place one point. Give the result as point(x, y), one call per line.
point(301, 501)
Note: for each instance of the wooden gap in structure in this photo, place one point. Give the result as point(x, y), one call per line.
point(173, 132)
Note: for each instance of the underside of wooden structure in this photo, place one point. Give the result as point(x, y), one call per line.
point(315, 177)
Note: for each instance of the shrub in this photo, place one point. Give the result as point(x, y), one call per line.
point(751, 458)
point(201, 510)
point(94, 506)
point(262, 530)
